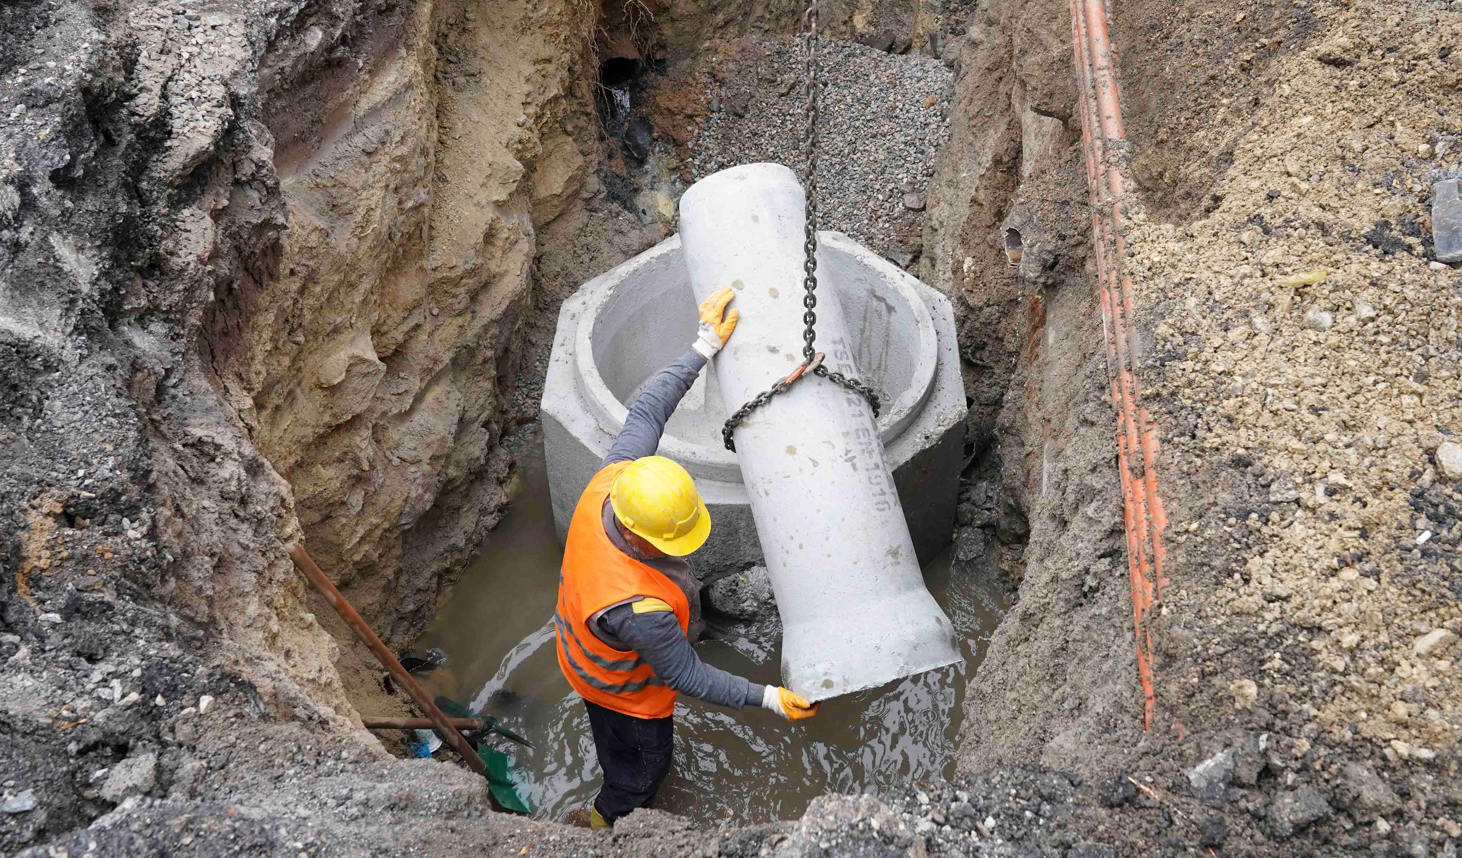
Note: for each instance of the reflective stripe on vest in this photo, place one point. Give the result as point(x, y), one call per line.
point(622, 664)
point(595, 575)
point(618, 688)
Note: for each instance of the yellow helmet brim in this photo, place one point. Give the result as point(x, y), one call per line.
point(686, 542)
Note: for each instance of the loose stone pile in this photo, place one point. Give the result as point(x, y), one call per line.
point(882, 118)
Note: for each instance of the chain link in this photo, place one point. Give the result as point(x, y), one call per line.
point(809, 241)
point(744, 411)
point(811, 358)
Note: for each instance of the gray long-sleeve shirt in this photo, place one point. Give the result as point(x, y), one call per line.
point(656, 635)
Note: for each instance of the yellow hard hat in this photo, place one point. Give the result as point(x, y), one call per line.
point(656, 499)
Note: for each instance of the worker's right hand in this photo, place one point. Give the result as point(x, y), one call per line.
point(714, 331)
point(793, 707)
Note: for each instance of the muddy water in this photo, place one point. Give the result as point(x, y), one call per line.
point(747, 766)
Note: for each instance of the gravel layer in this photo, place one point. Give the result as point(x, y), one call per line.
point(882, 118)
point(1315, 349)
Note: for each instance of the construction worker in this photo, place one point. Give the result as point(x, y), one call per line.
point(628, 603)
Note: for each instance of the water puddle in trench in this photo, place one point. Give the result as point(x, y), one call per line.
point(745, 766)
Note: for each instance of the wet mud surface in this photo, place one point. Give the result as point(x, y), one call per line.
point(729, 766)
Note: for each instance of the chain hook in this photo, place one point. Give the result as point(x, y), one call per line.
point(811, 366)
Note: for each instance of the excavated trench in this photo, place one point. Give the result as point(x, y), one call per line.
point(1029, 348)
point(492, 622)
point(370, 266)
point(372, 282)
point(393, 390)
point(744, 766)
point(288, 271)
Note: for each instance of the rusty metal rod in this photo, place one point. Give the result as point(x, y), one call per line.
point(418, 723)
point(306, 565)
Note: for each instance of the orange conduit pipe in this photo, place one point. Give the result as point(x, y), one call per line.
point(1103, 139)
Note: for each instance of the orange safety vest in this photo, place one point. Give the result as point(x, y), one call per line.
point(595, 575)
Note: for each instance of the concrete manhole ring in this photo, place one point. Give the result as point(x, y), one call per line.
point(625, 325)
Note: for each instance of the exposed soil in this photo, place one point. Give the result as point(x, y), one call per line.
point(1321, 568)
point(289, 270)
point(1308, 634)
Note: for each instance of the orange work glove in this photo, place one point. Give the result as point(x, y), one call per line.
point(793, 707)
point(714, 330)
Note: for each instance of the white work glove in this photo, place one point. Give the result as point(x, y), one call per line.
point(714, 331)
point(793, 707)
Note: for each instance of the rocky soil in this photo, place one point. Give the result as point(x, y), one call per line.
point(1317, 588)
point(1307, 692)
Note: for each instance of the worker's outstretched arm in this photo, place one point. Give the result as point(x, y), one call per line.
point(651, 410)
point(649, 627)
point(655, 634)
point(649, 413)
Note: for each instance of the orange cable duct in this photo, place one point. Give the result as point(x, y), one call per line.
point(1103, 139)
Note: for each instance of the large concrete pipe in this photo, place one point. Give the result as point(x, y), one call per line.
point(623, 326)
point(855, 613)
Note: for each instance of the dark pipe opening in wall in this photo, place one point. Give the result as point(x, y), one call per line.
point(1013, 246)
point(621, 83)
point(616, 81)
point(618, 72)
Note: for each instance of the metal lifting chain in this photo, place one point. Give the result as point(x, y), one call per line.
point(811, 358)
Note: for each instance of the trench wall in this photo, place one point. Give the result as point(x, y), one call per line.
point(1058, 685)
point(417, 147)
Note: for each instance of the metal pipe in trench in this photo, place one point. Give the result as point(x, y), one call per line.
point(418, 723)
point(306, 565)
point(855, 613)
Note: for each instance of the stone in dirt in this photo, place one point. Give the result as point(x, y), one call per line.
point(745, 595)
point(883, 41)
point(1317, 319)
point(969, 544)
point(1245, 692)
point(1117, 791)
point(1293, 811)
point(1211, 778)
point(638, 139)
point(914, 202)
point(1250, 761)
point(22, 803)
point(1284, 490)
point(1447, 221)
point(133, 776)
point(1414, 840)
point(1449, 460)
point(1215, 832)
point(1364, 794)
point(985, 494)
point(1433, 641)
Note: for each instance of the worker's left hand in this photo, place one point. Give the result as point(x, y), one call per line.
point(714, 330)
point(788, 704)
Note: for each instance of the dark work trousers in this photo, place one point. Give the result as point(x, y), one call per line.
point(634, 754)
